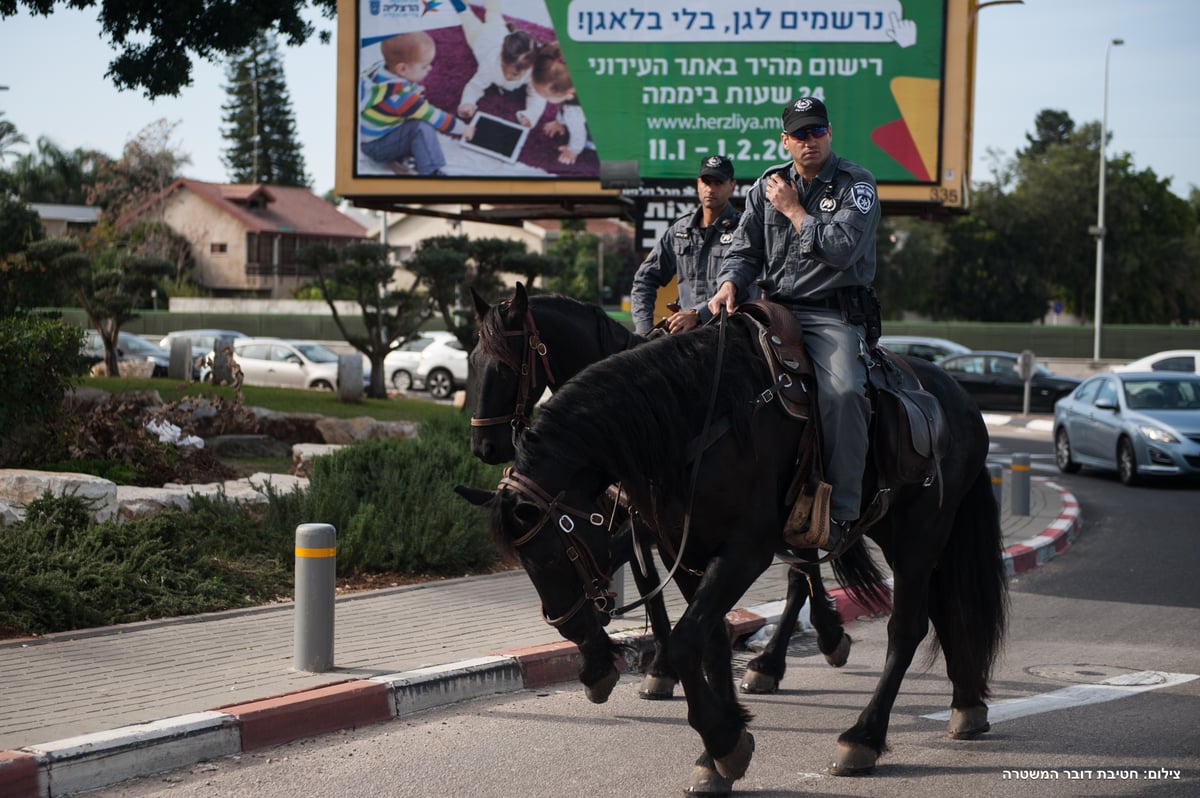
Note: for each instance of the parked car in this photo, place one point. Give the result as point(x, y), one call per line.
point(1135, 423)
point(201, 341)
point(932, 349)
point(401, 365)
point(132, 349)
point(992, 380)
point(1185, 360)
point(442, 368)
point(285, 363)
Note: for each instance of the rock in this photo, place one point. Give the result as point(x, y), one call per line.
point(126, 502)
point(19, 486)
point(303, 454)
point(363, 428)
point(291, 428)
point(246, 446)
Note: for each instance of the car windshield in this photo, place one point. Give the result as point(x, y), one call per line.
point(135, 345)
point(317, 353)
point(1151, 394)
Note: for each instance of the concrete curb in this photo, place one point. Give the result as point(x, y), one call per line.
point(1049, 543)
point(103, 759)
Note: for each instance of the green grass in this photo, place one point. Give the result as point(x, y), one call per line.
point(282, 400)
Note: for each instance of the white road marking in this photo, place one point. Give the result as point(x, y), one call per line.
point(1079, 695)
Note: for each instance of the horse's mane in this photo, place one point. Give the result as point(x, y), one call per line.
point(609, 334)
point(634, 414)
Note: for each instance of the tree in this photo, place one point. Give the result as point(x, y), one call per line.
point(20, 226)
point(9, 138)
point(51, 174)
point(1052, 127)
point(157, 40)
point(148, 164)
point(109, 286)
point(260, 125)
point(579, 252)
point(390, 315)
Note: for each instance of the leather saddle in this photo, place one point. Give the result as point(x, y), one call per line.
point(908, 431)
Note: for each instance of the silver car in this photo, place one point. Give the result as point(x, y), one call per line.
point(286, 363)
point(1138, 424)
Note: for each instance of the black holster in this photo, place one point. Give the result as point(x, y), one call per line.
point(860, 306)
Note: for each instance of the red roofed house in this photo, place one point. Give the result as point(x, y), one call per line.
point(244, 238)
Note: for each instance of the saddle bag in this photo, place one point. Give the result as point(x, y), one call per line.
point(910, 431)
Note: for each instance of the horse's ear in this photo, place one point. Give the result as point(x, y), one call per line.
point(475, 496)
point(520, 300)
point(481, 304)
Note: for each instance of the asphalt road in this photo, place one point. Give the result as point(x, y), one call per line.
point(1112, 622)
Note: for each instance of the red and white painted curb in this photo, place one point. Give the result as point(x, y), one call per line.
point(1049, 543)
point(94, 761)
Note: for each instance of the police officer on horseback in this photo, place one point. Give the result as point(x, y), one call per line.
point(809, 230)
point(691, 250)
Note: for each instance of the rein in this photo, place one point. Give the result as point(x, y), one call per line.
point(526, 373)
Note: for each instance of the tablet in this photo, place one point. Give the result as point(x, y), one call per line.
point(497, 137)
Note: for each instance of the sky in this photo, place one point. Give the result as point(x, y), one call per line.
point(1037, 55)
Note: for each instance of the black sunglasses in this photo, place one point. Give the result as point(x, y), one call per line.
point(815, 132)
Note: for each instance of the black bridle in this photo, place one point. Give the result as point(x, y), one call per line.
point(526, 372)
point(592, 578)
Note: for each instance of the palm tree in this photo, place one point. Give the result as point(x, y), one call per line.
point(9, 138)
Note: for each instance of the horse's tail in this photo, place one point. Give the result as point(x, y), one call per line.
point(969, 590)
point(857, 572)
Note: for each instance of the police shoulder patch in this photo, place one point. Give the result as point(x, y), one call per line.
point(864, 196)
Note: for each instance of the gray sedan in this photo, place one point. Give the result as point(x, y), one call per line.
point(1137, 424)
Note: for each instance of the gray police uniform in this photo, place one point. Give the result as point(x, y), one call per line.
point(690, 252)
point(805, 270)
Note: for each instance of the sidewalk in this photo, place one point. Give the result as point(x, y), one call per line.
point(82, 710)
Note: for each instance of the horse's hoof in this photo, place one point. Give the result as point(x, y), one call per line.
point(599, 692)
point(657, 688)
point(853, 759)
point(759, 683)
point(706, 780)
point(734, 764)
point(969, 723)
point(837, 658)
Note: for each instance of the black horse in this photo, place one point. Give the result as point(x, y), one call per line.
point(633, 419)
point(528, 344)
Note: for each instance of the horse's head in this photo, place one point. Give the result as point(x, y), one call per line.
point(503, 377)
point(564, 543)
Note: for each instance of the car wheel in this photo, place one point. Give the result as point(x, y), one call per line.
point(323, 385)
point(402, 380)
point(1062, 452)
point(440, 384)
point(1127, 462)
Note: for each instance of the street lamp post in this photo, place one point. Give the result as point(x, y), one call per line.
point(1099, 230)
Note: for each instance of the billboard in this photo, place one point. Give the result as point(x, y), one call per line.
point(547, 100)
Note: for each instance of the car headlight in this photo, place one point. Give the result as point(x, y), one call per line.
point(1157, 434)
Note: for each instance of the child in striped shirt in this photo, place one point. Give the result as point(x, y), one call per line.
point(397, 122)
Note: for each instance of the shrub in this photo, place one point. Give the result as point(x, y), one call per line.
point(393, 503)
point(63, 571)
point(38, 361)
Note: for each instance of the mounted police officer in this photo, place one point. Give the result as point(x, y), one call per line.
point(691, 249)
point(809, 229)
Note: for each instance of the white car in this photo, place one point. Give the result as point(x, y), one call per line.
point(285, 363)
point(202, 341)
point(1184, 360)
point(443, 368)
point(401, 365)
